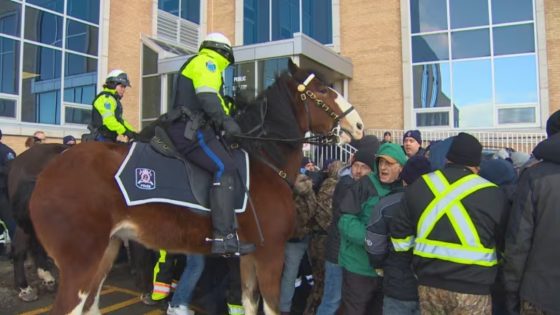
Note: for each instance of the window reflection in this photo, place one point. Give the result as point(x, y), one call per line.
point(80, 79)
point(9, 65)
point(428, 15)
point(149, 60)
point(516, 115)
point(244, 80)
point(255, 21)
point(505, 11)
point(7, 108)
point(285, 18)
point(85, 10)
point(429, 48)
point(516, 80)
point(151, 97)
point(431, 85)
point(468, 13)
point(55, 5)
point(10, 15)
point(43, 27)
point(316, 20)
point(186, 9)
point(472, 92)
point(41, 85)
point(77, 115)
point(470, 44)
point(81, 37)
point(432, 119)
point(269, 70)
point(514, 39)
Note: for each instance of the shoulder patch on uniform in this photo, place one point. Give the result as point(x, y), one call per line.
point(10, 156)
point(211, 66)
point(107, 105)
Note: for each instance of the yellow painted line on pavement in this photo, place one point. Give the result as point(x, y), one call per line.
point(45, 309)
point(120, 305)
point(123, 290)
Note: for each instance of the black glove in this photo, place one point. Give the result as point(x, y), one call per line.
point(512, 303)
point(131, 135)
point(231, 127)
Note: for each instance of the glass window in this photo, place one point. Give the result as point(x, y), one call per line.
point(244, 80)
point(80, 79)
point(516, 80)
point(472, 92)
point(77, 115)
point(43, 27)
point(505, 11)
point(170, 6)
point(81, 37)
point(149, 60)
point(317, 20)
point(9, 65)
point(468, 13)
point(151, 97)
point(85, 10)
point(190, 10)
point(432, 119)
point(55, 5)
point(41, 85)
point(428, 15)
point(429, 48)
point(10, 16)
point(470, 44)
point(269, 70)
point(255, 21)
point(432, 85)
point(516, 115)
point(285, 18)
point(515, 39)
point(171, 81)
point(7, 108)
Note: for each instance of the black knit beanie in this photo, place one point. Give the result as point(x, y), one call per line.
point(553, 124)
point(366, 156)
point(465, 150)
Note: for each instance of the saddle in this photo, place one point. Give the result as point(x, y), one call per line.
point(157, 172)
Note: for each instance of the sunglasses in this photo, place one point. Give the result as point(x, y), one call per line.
point(37, 139)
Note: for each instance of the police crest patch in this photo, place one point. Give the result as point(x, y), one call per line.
point(107, 105)
point(211, 66)
point(145, 179)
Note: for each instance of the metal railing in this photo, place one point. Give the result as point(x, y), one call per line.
point(519, 141)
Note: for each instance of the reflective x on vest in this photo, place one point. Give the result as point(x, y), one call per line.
point(447, 201)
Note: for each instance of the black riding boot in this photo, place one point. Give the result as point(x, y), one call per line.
point(225, 240)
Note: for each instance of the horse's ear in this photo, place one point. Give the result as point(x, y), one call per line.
point(292, 67)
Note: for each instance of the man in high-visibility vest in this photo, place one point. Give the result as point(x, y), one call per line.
point(453, 221)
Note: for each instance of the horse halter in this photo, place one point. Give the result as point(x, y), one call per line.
point(306, 94)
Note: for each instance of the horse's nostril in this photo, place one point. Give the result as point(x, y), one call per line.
point(359, 126)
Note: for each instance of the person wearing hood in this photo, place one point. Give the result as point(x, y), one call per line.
point(361, 284)
point(531, 269)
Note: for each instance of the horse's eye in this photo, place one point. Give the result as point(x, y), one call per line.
point(324, 90)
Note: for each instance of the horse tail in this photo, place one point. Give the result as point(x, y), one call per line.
point(20, 204)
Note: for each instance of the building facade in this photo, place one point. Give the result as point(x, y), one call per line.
point(481, 65)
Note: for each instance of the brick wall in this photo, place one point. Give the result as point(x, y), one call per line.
point(552, 20)
point(221, 17)
point(371, 37)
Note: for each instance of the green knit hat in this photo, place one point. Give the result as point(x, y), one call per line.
point(392, 152)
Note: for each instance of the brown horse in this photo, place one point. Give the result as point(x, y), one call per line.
point(81, 217)
point(21, 180)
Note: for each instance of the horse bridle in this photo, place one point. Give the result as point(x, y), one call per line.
point(306, 95)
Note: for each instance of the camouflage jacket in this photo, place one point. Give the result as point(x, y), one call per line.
point(305, 202)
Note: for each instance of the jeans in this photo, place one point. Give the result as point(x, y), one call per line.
point(293, 254)
point(332, 289)
point(392, 306)
point(185, 288)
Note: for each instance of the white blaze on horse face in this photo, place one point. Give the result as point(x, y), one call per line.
point(352, 122)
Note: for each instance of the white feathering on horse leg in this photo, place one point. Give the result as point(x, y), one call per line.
point(94, 309)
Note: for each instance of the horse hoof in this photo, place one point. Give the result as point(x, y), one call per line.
point(28, 294)
point(50, 286)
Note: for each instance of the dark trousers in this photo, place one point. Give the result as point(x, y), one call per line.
point(361, 294)
point(206, 151)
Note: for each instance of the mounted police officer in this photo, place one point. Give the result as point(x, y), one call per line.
point(199, 90)
point(107, 123)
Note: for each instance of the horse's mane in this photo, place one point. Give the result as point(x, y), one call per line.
point(272, 112)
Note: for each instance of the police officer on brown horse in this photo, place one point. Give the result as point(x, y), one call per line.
point(199, 90)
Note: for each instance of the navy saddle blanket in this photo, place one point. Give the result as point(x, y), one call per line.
point(147, 176)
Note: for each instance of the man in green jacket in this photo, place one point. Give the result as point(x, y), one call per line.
point(361, 285)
